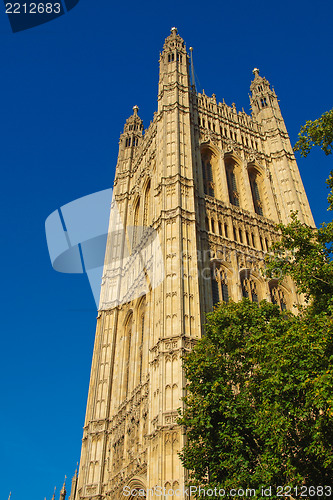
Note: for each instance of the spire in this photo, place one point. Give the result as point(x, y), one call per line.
point(192, 67)
point(74, 484)
point(263, 98)
point(53, 496)
point(174, 61)
point(173, 41)
point(63, 490)
point(10, 494)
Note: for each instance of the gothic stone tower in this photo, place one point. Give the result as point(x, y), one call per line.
point(212, 183)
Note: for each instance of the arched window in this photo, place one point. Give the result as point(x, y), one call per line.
point(240, 235)
point(146, 205)
point(253, 176)
point(142, 330)
point(136, 223)
point(278, 296)
point(220, 291)
point(137, 489)
point(141, 337)
point(207, 173)
point(127, 352)
point(249, 288)
point(232, 184)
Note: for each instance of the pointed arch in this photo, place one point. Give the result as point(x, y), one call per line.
point(256, 177)
point(234, 179)
point(137, 488)
point(209, 169)
point(141, 336)
point(146, 208)
point(220, 283)
point(127, 351)
point(251, 285)
point(136, 220)
point(279, 294)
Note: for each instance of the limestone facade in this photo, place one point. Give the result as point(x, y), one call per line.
point(212, 182)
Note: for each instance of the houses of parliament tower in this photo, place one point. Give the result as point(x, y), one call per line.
point(206, 184)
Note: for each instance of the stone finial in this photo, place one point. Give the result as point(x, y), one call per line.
point(53, 496)
point(63, 490)
point(255, 72)
point(135, 109)
point(174, 30)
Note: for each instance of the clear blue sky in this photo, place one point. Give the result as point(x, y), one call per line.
point(67, 88)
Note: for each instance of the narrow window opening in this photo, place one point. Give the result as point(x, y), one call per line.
point(232, 186)
point(261, 244)
point(277, 296)
point(240, 236)
point(215, 288)
point(146, 206)
point(136, 223)
point(207, 175)
point(255, 193)
point(141, 345)
point(220, 291)
point(249, 289)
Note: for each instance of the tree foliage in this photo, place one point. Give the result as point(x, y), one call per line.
point(259, 403)
point(305, 254)
point(259, 406)
point(316, 133)
point(259, 409)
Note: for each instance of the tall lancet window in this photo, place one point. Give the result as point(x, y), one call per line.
point(278, 296)
point(136, 223)
point(127, 353)
point(232, 185)
point(207, 173)
point(147, 206)
point(249, 289)
point(220, 291)
point(255, 189)
point(141, 335)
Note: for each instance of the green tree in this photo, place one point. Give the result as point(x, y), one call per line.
point(259, 407)
point(305, 254)
point(316, 133)
point(259, 403)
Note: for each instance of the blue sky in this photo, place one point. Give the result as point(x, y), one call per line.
point(67, 88)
